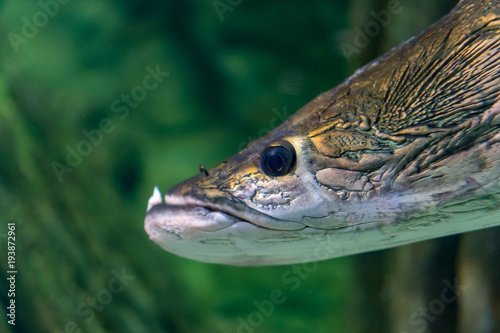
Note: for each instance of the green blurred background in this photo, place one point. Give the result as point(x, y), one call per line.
point(236, 69)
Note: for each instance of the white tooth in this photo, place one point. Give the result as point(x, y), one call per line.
point(155, 198)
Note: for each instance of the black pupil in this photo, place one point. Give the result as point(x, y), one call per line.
point(278, 159)
point(276, 162)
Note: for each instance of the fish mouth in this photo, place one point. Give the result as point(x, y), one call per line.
point(212, 217)
point(208, 232)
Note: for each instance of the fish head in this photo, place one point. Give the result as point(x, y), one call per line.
point(406, 149)
point(235, 214)
point(271, 202)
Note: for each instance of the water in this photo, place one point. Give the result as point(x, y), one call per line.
point(103, 100)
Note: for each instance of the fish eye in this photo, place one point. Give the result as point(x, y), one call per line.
point(278, 159)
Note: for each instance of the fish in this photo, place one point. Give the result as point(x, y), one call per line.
point(406, 149)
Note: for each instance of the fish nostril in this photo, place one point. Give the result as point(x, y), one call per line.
point(203, 170)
